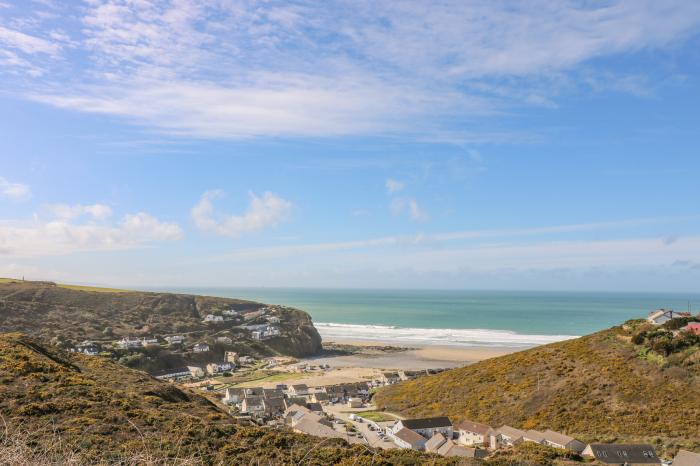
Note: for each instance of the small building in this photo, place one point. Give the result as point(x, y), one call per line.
point(246, 359)
point(435, 442)
point(214, 368)
point(213, 318)
point(231, 356)
point(619, 454)
point(686, 458)
point(390, 378)
point(533, 436)
point(406, 438)
point(320, 397)
point(306, 425)
point(127, 343)
point(505, 436)
point(230, 313)
point(224, 340)
point(410, 375)
point(661, 316)
point(427, 427)
point(196, 371)
point(354, 402)
point(149, 342)
point(200, 348)
point(273, 319)
point(233, 395)
point(558, 440)
point(179, 373)
point(175, 339)
point(298, 390)
point(473, 433)
point(692, 327)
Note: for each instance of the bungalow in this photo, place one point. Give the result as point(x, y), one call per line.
point(617, 454)
point(661, 316)
point(389, 378)
point(320, 397)
point(563, 441)
point(473, 433)
point(686, 458)
point(354, 402)
point(298, 390)
point(406, 438)
point(427, 427)
point(273, 406)
point(233, 395)
point(196, 371)
point(173, 374)
point(224, 340)
point(505, 436)
point(252, 405)
point(230, 313)
point(692, 327)
point(200, 348)
point(246, 359)
point(214, 368)
point(446, 447)
point(127, 343)
point(213, 318)
point(534, 436)
point(175, 339)
point(410, 375)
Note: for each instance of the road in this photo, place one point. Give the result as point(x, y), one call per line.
point(373, 440)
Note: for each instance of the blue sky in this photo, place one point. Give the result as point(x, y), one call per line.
point(454, 144)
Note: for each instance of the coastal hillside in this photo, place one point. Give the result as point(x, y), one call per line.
point(632, 383)
point(67, 315)
point(67, 408)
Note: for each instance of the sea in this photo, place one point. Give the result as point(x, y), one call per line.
point(511, 319)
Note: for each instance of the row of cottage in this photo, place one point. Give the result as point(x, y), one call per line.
point(438, 435)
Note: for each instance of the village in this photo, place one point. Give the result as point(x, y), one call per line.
point(345, 410)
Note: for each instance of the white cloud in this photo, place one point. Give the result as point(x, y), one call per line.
point(247, 69)
point(61, 236)
point(17, 191)
point(69, 212)
point(263, 212)
point(393, 186)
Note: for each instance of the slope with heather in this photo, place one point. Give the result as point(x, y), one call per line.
point(59, 408)
point(628, 383)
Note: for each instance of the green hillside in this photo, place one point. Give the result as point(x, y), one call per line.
point(66, 314)
point(628, 383)
point(58, 408)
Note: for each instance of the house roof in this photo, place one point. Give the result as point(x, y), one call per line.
point(477, 428)
point(449, 448)
point(412, 438)
point(557, 437)
point(427, 423)
point(435, 442)
point(510, 432)
point(310, 426)
point(533, 435)
point(686, 458)
point(617, 454)
point(300, 386)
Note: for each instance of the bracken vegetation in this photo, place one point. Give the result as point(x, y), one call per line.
point(601, 387)
point(59, 408)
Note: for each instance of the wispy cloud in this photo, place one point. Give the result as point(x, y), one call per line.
point(263, 212)
point(16, 191)
point(69, 212)
point(247, 69)
point(393, 186)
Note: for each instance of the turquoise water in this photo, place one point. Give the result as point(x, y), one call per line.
point(460, 317)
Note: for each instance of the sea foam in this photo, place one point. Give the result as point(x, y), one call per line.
point(434, 336)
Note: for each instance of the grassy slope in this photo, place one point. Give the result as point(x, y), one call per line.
point(102, 411)
point(48, 310)
point(594, 388)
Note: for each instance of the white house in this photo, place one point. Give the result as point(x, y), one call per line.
point(196, 371)
point(406, 438)
point(231, 356)
point(213, 318)
point(563, 441)
point(661, 316)
point(473, 433)
point(175, 339)
point(505, 436)
point(128, 343)
point(427, 427)
point(230, 313)
point(200, 348)
point(213, 368)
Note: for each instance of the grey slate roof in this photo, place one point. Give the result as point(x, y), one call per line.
point(427, 423)
point(624, 454)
